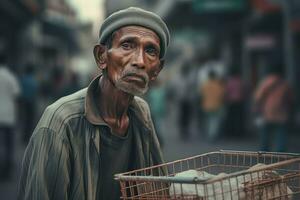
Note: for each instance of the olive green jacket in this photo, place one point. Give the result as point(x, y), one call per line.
point(63, 156)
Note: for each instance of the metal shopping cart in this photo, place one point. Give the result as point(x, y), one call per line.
point(277, 177)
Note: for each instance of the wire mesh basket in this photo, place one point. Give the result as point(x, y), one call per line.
point(235, 175)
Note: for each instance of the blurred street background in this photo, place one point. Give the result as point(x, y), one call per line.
point(229, 82)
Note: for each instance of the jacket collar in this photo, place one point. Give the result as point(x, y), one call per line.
point(91, 110)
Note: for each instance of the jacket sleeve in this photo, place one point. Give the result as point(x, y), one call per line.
point(45, 168)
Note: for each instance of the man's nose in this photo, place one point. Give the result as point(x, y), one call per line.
point(138, 59)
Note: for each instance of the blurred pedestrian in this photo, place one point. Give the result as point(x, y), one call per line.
point(185, 99)
point(273, 101)
point(234, 104)
point(206, 64)
point(213, 92)
point(9, 90)
point(29, 97)
point(210, 64)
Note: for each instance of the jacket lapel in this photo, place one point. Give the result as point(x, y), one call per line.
point(92, 164)
point(141, 146)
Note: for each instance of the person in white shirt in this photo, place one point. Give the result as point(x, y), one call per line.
point(9, 90)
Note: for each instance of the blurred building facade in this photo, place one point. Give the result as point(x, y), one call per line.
point(14, 19)
point(249, 35)
point(47, 34)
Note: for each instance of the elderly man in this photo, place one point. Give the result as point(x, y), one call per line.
point(82, 140)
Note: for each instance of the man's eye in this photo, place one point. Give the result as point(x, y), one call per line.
point(152, 51)
point(126, 45)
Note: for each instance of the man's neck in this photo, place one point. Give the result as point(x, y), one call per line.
point(113, 105)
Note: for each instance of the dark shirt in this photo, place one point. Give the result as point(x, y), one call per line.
point(116, 151)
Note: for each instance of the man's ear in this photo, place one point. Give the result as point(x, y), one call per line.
point(161, 65)
point(100, 56)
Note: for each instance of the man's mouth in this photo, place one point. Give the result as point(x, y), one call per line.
point(135, 77)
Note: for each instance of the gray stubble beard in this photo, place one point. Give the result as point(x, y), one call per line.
point(131, 88)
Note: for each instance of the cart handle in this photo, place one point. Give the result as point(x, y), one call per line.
point(164, 179)
point(260, 152)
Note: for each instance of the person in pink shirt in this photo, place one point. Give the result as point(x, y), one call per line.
point(273, 99)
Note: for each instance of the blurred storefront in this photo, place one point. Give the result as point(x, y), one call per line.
point(262, 33)
point(59, 29)
point(267, 35)
point(42, 32)
point(49, 35)
point(271, 37)
point(46, 33)
point(220, 21)
point(14, 18)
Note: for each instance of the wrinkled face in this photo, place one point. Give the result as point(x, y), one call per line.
point(133, 59)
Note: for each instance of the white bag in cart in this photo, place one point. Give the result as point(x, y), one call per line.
point(209, 191)
point(229, 188)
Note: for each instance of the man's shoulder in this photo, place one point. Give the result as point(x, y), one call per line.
point(71, 103)
point(141, 108)
point(60, 112)
point(141, 103)
point(140, 100)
